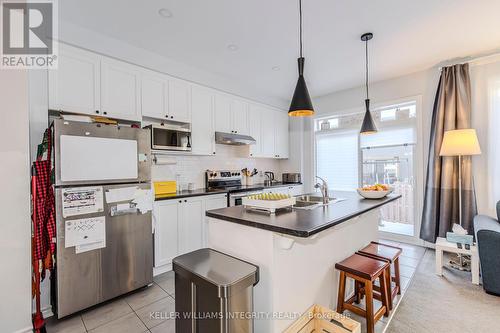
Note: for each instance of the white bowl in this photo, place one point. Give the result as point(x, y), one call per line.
point(373, 194)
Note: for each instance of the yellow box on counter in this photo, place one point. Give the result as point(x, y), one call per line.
point(165, 187)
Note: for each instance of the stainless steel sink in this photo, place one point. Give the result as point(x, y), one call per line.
point(312, 201)
point(305, 204)
point(311, 198)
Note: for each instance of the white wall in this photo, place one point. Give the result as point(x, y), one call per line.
point(15, 225)
point(192, 168)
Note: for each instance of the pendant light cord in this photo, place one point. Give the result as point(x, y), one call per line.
point(366, 56)
point(300, 27)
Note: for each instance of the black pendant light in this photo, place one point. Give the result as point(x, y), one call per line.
point(301, 105)
point(368, 126)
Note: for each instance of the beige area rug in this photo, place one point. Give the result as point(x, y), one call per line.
point(447, 304)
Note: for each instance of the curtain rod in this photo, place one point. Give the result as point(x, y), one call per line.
point(473, 60)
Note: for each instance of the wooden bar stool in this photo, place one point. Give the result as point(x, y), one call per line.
point(365, 271)
point(391, 255)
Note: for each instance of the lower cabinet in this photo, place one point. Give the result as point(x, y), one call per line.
point(180, 227)
point(292, 190)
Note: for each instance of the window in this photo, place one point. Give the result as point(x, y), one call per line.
point(337, 159)
point(347, 160)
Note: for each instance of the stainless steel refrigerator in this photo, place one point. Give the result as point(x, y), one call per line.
point(102, 182)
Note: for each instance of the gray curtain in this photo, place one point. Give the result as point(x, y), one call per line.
point(452, 110)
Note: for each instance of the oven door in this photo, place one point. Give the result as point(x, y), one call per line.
point(165, 138)
point(235, 199)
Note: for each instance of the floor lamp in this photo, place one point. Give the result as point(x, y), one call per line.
point(462, 142)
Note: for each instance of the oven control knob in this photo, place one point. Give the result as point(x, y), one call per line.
point(238, 174)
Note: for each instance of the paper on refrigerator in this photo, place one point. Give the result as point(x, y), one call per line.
point(83, 232)
point(121, 194)
point(82, 200)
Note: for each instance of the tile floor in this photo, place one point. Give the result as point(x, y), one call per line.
point(132, 313)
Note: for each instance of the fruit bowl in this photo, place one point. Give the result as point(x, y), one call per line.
point(377, 191)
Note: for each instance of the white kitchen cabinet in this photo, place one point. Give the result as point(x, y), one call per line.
point(120, 90)
point(296, 190)
point(292, 190)
point(154, 95)
point(231, 114)
point(281, 135)
point(75, 85)
point(191, 224)
point(179, 100)
point(255, 114)
point(202, 124)
point(212, 202)
point(180, 226)
point(223, 121)
point(239, 113)
point(166, 219)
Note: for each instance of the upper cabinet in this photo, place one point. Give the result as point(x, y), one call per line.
point(92, 84)
point(239, 113)
point(231, 114)
point(202, 125)
point(179, 99)
point(154, 95)
point(281, 140)
point(120, 90)
point(269, 127)
point(223, 122)
point(75, 85)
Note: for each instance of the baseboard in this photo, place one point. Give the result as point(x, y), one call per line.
point(162, 269)
point(28, 329)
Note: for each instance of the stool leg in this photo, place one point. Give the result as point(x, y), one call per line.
point(357, 291)
point(397, 279)
point(383, 292)
point(388, 285)
point(370, 324)
point(341, 295)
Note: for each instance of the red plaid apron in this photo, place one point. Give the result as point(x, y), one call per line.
point(44, 207)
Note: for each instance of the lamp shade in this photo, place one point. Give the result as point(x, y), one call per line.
point(368, 126)
point(301, 104)
point(460, 142)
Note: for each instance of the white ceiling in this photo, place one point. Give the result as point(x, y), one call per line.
point(409, 36)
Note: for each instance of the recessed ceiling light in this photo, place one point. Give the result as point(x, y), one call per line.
point(232, 47)
point(276, 68)
point(164, 12)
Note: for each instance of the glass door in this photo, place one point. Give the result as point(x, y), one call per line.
point(393, 165)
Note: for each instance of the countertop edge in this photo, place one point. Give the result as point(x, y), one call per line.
point(302, 233)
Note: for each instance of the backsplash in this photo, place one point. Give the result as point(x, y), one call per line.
point(192, 168)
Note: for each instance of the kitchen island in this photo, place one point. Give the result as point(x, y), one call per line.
point(296, 251)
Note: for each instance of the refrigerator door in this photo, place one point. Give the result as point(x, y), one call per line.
point(123, 265)
point(91, 153)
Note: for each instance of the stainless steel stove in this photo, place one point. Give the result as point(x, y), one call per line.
point(230, 181)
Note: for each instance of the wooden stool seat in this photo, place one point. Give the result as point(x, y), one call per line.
point(361, 266)
point(365, 271)
point(391, 255)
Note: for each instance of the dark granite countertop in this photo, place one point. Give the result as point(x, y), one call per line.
point(301, 222)
point(203, 191)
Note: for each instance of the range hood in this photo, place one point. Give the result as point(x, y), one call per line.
point(233, 139)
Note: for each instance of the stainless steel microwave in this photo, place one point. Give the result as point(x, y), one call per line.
point(170, 137)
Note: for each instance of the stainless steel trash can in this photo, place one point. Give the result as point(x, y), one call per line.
point(213, 293)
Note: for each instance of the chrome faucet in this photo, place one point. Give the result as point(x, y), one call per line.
point(324, 190)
